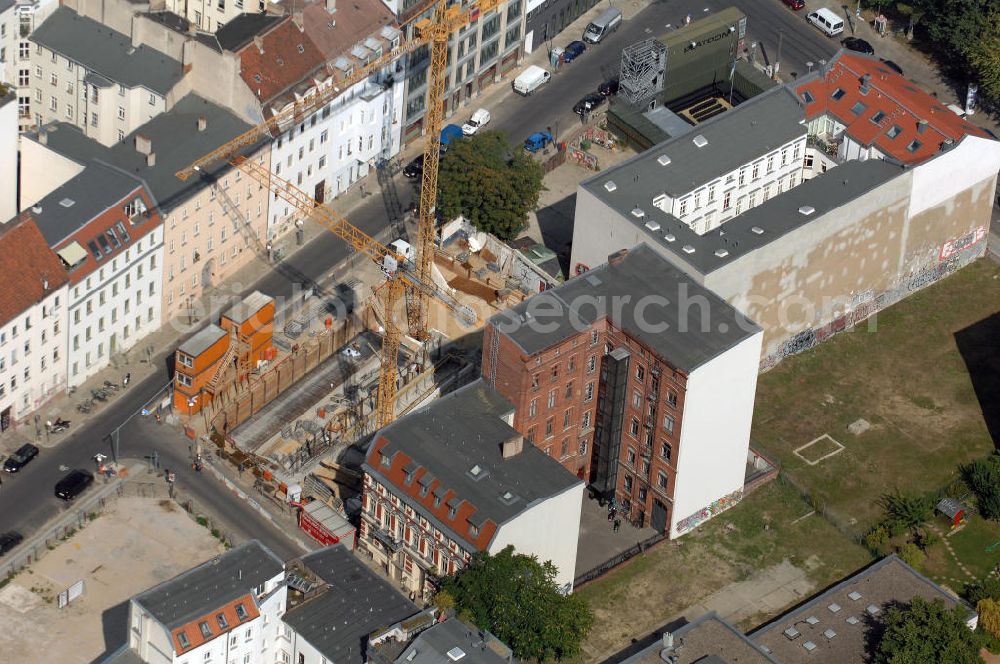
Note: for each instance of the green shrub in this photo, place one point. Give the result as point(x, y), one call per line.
point(988, 588)
point(906, 511)
point(877, 538)
point(911, 554)
point(983, 477)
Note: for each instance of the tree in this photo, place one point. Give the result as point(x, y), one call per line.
point(989, 616)
point(492, 185)
point(904, 511)
point(926, 632)
point(913, 12)
point(516, 598)
point(983, 477)
point(984, 55)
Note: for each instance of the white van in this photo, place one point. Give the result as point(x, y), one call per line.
point(609, 21)
point(530, 79)
point(829, 23)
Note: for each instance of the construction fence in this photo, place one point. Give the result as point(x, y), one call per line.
point(239, 402)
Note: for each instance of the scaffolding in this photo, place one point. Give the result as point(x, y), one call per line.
point(642, 68)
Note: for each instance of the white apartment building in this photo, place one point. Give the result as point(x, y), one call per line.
point(33, 325)
point(17, 20)
point(8, 156)
point(211, 15)
point(455, 478)
point(88, 75)
point(103, 226)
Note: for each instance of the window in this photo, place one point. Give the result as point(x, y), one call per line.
point(206, 631)
point(534, 381)
point(630, 457)
point(186, 382)
point(182, 638)
point(683, 208)
point(914, 146)
point(672, 398)
point(858, 108)
point(567, 418)
point(894, 131)
point(571, 364)
point(627, 484)
point(838, 94)
point(552, 399)
point(593, 337)
point(727, 200)
point(548, 428)
point(53, 105)
point(591, 363)
point(23, 77)
point(153, 99)
point(221, 619)
point(668, 423)
point(533, 408)
point(807, 97)
point(770, 164)
point(585, 423)
point(634, 427)
point(53, 79)
point(23, 50)
point(666, 451)
point(588, 392)
point(555, 373)
point(756, 171)
point(121, 112)
point(661, 480)
point(636, 399)
point(569, 390)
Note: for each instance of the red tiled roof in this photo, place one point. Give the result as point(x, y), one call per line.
point(288, 57)
point(460, 525)
point(192, 630)
point(903, 105)
point(355, 22)
point(27, 264)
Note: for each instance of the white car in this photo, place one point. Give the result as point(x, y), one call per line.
point(479, 119)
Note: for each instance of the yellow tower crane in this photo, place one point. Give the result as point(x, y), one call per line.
point(434, 31)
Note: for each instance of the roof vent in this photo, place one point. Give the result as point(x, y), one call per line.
point(688, 249)
point(806, 210)
point(669, 237)
point(638, 212)
point(67, 202)
point(809, 646)
point(829, 634)
point(652, 225)
point(610, 185)
point(791, 633)
point(756, 230)
point(812, 620)
point(834, 608)
point(854, 595)
point(456, 654)
point(37, 209)
point(512, 446)
point(873, 610)
point(663, 160)
point(700, 141)
point(852, 620)
point(721, 253)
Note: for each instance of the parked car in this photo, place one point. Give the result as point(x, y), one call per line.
point(415, 168)
point(893, 66)
point(859, 45)
point(9, 540)
point(588, 103)
point(530, 80)
point(479, 119)
point(609, 87)
point(73, 484)
point(795, 4)
point(537, 141)
point(21, 458)
point(573, 50)
point(826, 22)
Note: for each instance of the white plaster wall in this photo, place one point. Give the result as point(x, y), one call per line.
point(972, 160)
point(8, 159)
point(43, 171)
point(550, 530)
point(715, 429)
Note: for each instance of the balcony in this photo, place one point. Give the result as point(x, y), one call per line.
point(390, 543)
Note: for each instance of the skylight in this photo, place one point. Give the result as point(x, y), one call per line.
point(700, 141)
point(858, 108)
point(878, 117)
point(456, 654)
point(638, 212)
point(838, 94)
point(67, 202)
point(610, 185)
point(652, 225)
point(687, 249)
point(807, 97)
point(669, 237)
point(756, 230)
point(663, 160)
point(806, 210)
point(894, 131)
point(914, 146)
point(721, 253)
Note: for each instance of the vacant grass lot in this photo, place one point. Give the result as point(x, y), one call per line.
point(756, 534)
point(908, 377)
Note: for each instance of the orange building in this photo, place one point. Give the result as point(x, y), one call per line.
point(208, 361)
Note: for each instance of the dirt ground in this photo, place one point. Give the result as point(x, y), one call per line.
point(135, 544)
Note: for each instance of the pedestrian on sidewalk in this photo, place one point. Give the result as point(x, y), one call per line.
point(618, 525)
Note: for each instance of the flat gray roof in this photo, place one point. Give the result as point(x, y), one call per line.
point(736, 137)
point(838, 621)
point(175, 140)
point(204, 588)
point(433, 645)
point(201, 340)
point(773, 219)
point(644, 295)
point(106, 52)
point(81, 198)
point(457, 432)
point(247, 307)
point(356, 602)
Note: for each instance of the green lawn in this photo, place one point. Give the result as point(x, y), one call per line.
point(906, 377)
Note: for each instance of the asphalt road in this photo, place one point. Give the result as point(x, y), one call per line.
point(27, 500)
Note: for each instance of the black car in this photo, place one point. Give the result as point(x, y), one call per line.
point(415, 168)
point(9, 540)
point(73, 484)
point(588, 104)
point(859, 45)
point(893, 66)
point(21, 458)
point(609, 87)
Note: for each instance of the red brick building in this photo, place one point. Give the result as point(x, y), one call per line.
point(599, 372)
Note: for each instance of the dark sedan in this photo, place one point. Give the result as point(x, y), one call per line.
point(73, 484)
point(415, 168)
point(9, 540)
point(609, 87)
point(588, 104)
point(859, 45)
point(21, 458)
point(573, 50)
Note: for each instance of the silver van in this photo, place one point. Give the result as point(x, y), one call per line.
point(829, 23)
point(609, 21)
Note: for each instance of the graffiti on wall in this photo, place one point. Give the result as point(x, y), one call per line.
point(706, 513)
point(952, 247)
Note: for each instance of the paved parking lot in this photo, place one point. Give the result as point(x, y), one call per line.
point(136, 543)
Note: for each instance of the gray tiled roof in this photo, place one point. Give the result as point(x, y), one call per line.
point(210, 585)
point(175, 140)
point(459, 431)
point(338, 621)
point(433, 645)
point(736, 137)
point(84, 196)
point(109, 53)
point(778, 216)
point(241, 30)
point(626, 292)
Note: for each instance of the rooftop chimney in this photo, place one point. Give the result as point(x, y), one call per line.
point(513, 446)
point(617, 257)
point(258, 41)
point(331, 6)
point(143, 145)
point(43, 136)
point(202, 123)
point(151, 159)
point(297, 20)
